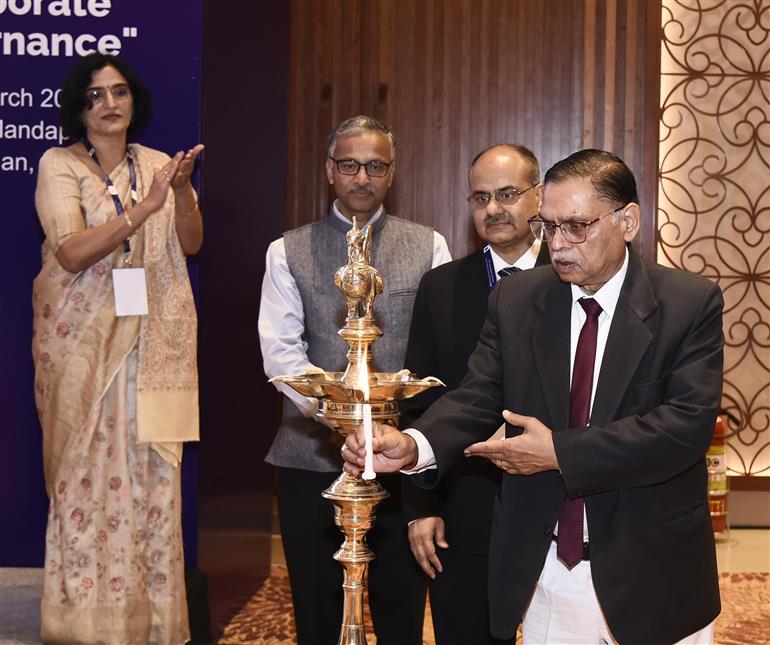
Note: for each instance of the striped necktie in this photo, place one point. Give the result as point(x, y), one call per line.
point(507, 271)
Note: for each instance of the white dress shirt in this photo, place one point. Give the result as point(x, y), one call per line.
point(526, 260)
point(282, 317)
point(607, 297)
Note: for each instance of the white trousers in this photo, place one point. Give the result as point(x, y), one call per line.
point(564, 609)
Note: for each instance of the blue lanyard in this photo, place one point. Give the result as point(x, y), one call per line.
point(111, 187)
point(490, 265)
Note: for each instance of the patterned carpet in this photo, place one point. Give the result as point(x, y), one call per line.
point(745, 618)
point(267, 618)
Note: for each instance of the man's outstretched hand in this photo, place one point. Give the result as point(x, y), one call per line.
point(530, 452)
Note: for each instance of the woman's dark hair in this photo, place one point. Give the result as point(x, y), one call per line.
point(73, 95)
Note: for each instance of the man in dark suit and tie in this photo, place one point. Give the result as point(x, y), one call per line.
point(608, 370)
point(449, 310)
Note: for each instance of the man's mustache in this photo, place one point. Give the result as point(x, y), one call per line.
point(499, 218)
point(560, 257)
point(363, 187)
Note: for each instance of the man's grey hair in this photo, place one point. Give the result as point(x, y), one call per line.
point(358, 124)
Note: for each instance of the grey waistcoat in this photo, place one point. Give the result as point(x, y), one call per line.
point(402, 251)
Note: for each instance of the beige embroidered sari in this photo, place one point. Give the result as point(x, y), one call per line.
point(115, 398)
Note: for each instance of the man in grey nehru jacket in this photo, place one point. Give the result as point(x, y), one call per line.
point(300, 313)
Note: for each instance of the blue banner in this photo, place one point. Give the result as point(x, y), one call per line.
point(39, 42)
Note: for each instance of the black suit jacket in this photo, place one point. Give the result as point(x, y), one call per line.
point(639, 464)
point(449, 311)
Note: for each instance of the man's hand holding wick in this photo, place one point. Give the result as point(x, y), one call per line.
point(393, 450)
point(528, 453)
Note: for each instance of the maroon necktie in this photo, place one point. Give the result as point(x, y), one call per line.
point(569, 547)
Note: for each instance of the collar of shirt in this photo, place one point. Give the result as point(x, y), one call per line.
point(372, 219)
point(526, 260)
point(607, 295)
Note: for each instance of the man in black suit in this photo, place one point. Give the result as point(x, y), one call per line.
point(633, 349)
point(449, 310)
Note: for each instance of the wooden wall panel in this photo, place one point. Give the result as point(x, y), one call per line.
point(620, 93)
point(451, 77)
point(458, 80)
point(324, 89)
point(239, 408)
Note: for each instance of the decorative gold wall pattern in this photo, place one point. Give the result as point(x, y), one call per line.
point(714, 191)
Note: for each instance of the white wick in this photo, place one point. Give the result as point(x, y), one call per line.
point(369, 456)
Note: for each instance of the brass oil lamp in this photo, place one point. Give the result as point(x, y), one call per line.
point(346, 400)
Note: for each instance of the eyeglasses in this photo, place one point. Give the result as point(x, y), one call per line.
point(505, 196)
point(99, 94)
point(352, 167)
point(573, 231)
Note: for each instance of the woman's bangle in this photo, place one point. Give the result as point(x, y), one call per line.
point(128, 221)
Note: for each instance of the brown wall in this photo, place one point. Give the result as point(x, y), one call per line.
point(245, 67)
point(452, 77)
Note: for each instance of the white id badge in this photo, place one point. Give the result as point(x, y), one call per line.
point(130, 289)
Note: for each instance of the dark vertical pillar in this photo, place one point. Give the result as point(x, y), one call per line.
point(245, 85)
point(648, 186)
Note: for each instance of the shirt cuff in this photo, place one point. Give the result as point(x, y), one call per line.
point(426, 459)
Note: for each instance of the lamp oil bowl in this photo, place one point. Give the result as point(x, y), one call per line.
point(342, 403)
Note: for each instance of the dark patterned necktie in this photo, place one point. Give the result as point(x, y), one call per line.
point(507, 271)
point(570, 543)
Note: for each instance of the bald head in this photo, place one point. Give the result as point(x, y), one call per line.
point(507, 151)
point(505, 192)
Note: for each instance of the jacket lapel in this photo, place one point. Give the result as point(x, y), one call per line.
point(627, 342)
point(472, 293)
point(550, 345)
point(473, 275)
point(544, 257)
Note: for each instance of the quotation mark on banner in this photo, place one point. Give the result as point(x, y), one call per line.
point(130, 32)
